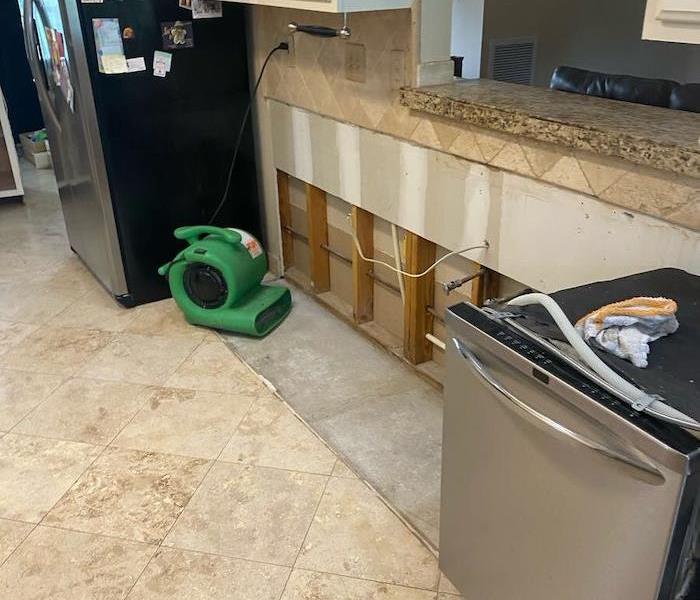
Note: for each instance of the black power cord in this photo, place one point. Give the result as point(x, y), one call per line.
point(246, 116)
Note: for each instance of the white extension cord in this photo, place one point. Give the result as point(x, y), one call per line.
point(485, 245)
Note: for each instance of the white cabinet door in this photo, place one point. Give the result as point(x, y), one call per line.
point(333, 6)
point(672, 21)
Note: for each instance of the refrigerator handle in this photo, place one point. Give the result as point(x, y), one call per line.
point(554, 427)
point(30, 46)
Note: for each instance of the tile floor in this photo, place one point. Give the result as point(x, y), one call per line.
point(370, 406)
point(141, 459)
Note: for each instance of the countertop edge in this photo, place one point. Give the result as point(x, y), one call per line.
point(638, 150)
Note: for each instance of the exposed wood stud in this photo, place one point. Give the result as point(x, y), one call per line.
point(485, 287)
point(285, 219)
point(420, 292)
point(362, 282)
point(320, 268)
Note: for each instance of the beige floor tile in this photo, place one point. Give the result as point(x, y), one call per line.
point(20, 392)
point(355, 534)
point(36, 472)
point(95, 310)
point(139, 358)
point(12, 333)
point(307, 585)
point(213, 367)
point(164, 318)
point(130, 494)
point(25, 267)
point(34, 303)
point(73, 273)
point(86, 410)
point(58, 350)
point(342, 470)
point(446, 586)
point(178, 575)
point(185, 422)
point(11, 535)
point(270, 435)
point(53, 564)
point(249, 512)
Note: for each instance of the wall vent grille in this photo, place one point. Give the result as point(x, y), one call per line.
point(512, 60)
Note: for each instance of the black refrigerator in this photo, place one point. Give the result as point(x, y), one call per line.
point(142, 152)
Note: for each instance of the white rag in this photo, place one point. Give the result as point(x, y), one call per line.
point(626, 328)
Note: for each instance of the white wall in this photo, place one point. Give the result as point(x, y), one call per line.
point(601, 35)
point(456, 203)
point(467, 28)
point(434, 65)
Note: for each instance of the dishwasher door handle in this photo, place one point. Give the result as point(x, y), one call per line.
point(550, 424)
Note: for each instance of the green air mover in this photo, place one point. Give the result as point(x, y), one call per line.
point(216, 282)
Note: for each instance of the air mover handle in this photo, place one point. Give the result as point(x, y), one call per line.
point(193, 234)
point(316, 30)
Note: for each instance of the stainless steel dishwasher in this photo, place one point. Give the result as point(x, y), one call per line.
point(552, 488)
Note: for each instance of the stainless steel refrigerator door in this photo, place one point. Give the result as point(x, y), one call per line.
point(74, 138)
point(543, 497)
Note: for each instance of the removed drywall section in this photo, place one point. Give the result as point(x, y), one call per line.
point(387, 325)
point(300, 227)
point(547, 237)
point(384, 316)
point(340, 242)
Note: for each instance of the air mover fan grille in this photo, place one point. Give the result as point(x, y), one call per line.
point(205, 285)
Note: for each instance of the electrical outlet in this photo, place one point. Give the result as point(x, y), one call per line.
point(398, 69)
point(355, 62)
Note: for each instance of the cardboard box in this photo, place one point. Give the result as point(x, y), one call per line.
point(42, 160)
point(31, 148)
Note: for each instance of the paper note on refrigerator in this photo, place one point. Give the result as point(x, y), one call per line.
point(108, 45)
point(206, 9)
point(136, 64)
point(114, 63)
point(162, 61)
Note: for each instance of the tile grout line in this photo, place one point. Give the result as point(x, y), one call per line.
point(386, 503)
point(207, 458)
point(225, 556)
point(172, 525)
point(36, 525)
point(70, 487)
point(306, 535)
point(49, 395)
point(214, 461)
point(106, 445)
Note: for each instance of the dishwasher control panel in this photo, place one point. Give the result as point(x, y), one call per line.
point(547, 364)
point(534, 353)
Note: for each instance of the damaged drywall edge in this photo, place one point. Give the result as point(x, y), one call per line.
point(540, 234)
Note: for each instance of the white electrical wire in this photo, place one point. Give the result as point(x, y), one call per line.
point(397, 260)
point(485, 245)
point(629, 390)
point(435, 341)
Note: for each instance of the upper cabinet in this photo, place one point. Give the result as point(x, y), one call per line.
point(333, 6)
point(672, 21)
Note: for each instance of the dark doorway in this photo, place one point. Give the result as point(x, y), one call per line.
point(15, 75)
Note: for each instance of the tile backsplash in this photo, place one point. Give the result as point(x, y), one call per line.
point(358, 81)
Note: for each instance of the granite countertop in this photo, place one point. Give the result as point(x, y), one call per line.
point(646, 135)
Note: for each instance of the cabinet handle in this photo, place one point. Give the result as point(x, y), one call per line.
point(554, 427)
